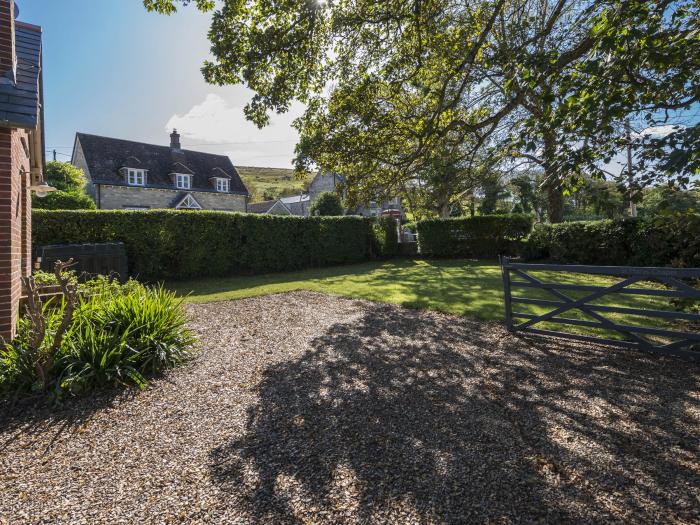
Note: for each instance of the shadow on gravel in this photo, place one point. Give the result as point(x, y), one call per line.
point(37, 415)
point(405, 416)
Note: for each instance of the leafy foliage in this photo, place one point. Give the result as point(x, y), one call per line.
point(116, 337)
point(327, 204)
point(171, 244)
point(481, 236)
point(70, 183)
point(384, 237)
point(63, 200)
point(392, 86)
point(672, 240)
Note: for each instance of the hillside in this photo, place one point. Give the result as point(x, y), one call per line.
point(271, 183)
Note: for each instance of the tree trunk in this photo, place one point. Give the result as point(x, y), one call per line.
point(445, 210)
point(555, 195)
point(555, 203)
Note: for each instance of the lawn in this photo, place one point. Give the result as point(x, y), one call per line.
point(459, 287)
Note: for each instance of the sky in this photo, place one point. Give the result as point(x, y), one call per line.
point(112, 69)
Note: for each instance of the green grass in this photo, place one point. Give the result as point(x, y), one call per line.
point(276, 182)
point(458, 287)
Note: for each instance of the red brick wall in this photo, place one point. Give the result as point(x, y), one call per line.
point(15, 225)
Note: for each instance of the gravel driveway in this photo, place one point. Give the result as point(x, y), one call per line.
point(307, 408)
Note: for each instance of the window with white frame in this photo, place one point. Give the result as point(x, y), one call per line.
point(223, 185)
point(183, 181)
point(136, 177)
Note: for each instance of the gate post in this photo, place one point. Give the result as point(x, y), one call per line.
point(505, 273)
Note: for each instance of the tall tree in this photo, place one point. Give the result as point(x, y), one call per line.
point(386, 83)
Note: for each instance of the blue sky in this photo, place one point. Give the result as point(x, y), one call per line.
point(112, 69)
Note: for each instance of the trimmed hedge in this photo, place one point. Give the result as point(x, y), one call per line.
point(384, 237)
point(169, 244)
point(484, 236)
point(672, 240)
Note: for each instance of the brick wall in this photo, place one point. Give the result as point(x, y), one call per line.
point(15, 224)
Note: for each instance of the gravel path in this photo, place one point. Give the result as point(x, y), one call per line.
point(307, 408)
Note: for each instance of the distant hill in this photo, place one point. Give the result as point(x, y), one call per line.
point(271, 183)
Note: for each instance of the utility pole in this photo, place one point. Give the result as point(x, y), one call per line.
point(630, 170)
point(54, 155)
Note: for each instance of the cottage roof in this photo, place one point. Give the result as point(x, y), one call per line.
point(105, 156)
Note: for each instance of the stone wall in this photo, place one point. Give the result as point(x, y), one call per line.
point(109, 197)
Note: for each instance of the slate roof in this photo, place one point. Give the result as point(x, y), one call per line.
point(106, 156)
point(20, 98)
point(265, 206)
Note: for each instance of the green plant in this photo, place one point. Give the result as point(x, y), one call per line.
point(119, 336)
point(668, 240)
point(479, 237)
point(125, 339)
point(384, 237)
point(70, 183)
point(170, 244)
point(326, 205)
point(61, 200)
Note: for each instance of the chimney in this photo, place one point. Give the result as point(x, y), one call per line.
point(8, 55)
point(174, 138)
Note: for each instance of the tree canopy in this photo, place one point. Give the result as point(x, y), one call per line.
point(390, 86)
point(327, 204)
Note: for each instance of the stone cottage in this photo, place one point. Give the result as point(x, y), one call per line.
point(127, 175)
point(21, 154)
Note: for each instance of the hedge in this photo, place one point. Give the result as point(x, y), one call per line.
point(384, 237)
point(672, 240)
point(169, 244)
point(483, 236)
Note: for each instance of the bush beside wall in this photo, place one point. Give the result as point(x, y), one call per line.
point(169, 244)
point(485, 236)
point(672, 240)
point(384, 237)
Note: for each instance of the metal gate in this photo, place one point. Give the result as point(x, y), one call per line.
point(674, 341)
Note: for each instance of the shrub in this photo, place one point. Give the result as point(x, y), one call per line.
point(62, 200)
point(170, 244)
point(327, 204)
point(481, 236)
point(117, 337)
point(384, 237)
point(672, 240)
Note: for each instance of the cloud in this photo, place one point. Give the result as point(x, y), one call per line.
point(211, 121)
point(657, 132)
point(216, 126)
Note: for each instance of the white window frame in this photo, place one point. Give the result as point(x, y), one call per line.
point(135, 177)
point(223, 185)
point(183, 181)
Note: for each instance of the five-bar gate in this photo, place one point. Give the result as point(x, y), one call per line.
point(673, 341)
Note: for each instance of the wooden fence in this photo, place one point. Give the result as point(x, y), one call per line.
point(668, 340)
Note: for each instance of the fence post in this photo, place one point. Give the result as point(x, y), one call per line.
point(505, 273)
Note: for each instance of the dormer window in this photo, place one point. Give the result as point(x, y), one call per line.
point(136, 177)
point(223, 185)
point(183, 181)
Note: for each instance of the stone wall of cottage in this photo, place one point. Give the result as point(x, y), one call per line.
point(79, 161)
point(15, 224)
point(111, 197)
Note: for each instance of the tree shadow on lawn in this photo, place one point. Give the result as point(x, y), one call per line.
point(422, 417)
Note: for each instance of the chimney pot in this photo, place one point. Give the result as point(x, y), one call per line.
point(175, 140)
